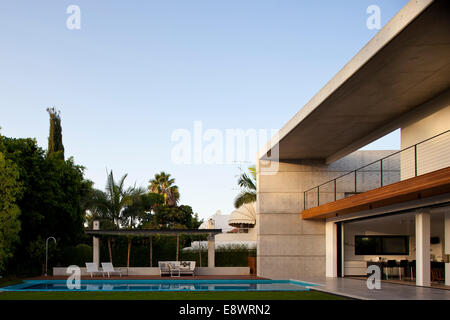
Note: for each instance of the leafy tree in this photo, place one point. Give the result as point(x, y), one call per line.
point(142, 210)
point(50, 205)
point(10, 190)
point(139, 213)
point(164, 185)
point(248, 188)
point(181, 217)
point(55, 144)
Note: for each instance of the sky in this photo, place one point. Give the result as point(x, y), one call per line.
point(136, 73)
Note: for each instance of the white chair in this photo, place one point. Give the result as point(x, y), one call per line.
point(92, 268)
point(108, 268)
point(163, 268)
point(187, 267)
point(174, 268)
point(169, 268)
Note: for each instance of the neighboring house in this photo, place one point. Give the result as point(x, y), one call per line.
point(238, 228)
point(219, 221)
point(395, 209)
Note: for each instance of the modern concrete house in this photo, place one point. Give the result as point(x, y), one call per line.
point(326, 208)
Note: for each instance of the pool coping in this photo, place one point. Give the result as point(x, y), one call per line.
point(306, 286)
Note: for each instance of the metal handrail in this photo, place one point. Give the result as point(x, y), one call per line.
point(414, 146)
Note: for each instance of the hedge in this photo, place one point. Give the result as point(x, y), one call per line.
point(164, 249)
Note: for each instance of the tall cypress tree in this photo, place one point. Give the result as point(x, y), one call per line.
point(55, 144)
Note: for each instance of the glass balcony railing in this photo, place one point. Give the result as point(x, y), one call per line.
point(426, 156)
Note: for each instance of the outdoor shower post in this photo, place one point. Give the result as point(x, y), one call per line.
point(46, 252)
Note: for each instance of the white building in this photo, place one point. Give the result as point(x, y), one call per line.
point(238, 228)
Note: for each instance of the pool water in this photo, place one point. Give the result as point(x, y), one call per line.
point(163, 285)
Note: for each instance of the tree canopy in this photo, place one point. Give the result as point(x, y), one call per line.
point(10, 191)
point(51, 202)
point(163, 184)
point(55, 144)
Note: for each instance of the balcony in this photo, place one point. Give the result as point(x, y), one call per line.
point(419, 171)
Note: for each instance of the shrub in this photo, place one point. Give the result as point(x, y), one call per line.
point(78, 255)
point(230, 256)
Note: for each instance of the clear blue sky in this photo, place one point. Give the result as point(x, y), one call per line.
point(138, 70)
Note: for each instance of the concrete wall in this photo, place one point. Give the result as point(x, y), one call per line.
point(433, 154)
point(289, 247)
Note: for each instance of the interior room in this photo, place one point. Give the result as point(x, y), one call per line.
point(390, 242)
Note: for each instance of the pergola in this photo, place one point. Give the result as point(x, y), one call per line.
point(96, 233)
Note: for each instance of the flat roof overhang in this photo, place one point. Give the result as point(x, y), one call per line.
point(423, 186)
point(150, 232)
point(404, 65)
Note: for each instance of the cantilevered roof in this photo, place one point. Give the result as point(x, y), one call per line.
point(404, 65)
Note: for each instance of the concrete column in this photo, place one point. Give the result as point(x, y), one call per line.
point(211, 251)
point(330, 250)
point(423, 248)
point(447, 247)
point(96, 244)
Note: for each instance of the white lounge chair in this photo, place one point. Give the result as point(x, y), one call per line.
point(92, 268)
point(187, 267)
point(174, 268)
point(169, 267)
point(108, 268)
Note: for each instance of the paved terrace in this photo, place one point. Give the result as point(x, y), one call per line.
point(357, 289)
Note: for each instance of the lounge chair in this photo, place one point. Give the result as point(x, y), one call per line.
point(92, 268)
point(187, 267)
point(163, 268)
point(108, 268)
point(171, 268)
point(174, 268)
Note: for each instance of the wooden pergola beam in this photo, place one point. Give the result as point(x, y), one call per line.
point(149, 232)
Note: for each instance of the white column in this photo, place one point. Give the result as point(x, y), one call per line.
point(330, 249)
point(447, 247)
point(211, 251)
point(423, 248)
point(96, 244)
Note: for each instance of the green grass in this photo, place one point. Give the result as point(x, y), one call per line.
point(303, 295)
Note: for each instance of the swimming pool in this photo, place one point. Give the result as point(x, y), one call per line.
point(163, 285)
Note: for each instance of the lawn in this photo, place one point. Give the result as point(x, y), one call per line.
point(266, 295)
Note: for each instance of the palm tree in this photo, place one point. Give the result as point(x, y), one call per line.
point(109, 206)
point(248, 188)
point(132, 215)
point(164, 185)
